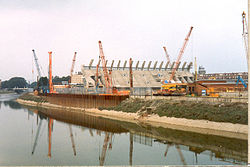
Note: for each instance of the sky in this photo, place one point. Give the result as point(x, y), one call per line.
point(136, 29)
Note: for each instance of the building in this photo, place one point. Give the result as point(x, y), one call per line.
point(146, 75)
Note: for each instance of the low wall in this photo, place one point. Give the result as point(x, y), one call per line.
point(198, 99)
point(85, 101)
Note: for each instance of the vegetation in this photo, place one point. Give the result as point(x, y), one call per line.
point(225, 112)
point(31, 97)
point(15, 82)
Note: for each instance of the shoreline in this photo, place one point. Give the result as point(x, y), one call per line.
point(230, 130)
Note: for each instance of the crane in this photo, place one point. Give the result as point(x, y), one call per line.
point(104, 148)
point(72, 67)
point(245, 33)
point(37, 65)
point(180, 54)
point(50, 73)
point(108, 83)
point(167, 55)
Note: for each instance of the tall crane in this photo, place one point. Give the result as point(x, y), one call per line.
point(104, 67)
point(180, 54)
point(50, 73)
point(72, 67)
point(37, 135)
point(245, 33)
point(37, 65)
point(167, 55)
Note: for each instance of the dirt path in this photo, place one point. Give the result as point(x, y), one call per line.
point(199, 126)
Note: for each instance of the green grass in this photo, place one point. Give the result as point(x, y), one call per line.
point(225, 112)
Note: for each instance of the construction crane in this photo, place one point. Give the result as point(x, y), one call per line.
point(72, 67)
point(242, 81)
point(245, 33)
point(37, 65)
point(167, 55)
point(104, 67)
point(180, 55)
point(50, 73)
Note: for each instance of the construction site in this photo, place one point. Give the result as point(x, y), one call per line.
point(153, 78)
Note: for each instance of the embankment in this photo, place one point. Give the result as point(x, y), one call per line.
point(146, 112)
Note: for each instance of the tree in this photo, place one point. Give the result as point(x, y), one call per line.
point(15, 82)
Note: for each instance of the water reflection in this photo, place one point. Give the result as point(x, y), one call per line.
point(228, 150)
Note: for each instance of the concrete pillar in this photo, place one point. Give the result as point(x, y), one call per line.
point(91, 62)
point(183, 66)
point(155, 64)
point(166, 66)
point(111, 67)
point(178, 65)
point(172, 66)
point(149, 64)
point(143, 64)
point(189, 66)
point(125, 63)
point(160, 66)
point(137, 64)
point(118, 65)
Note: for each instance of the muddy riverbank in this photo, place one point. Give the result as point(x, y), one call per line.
point(226, 129)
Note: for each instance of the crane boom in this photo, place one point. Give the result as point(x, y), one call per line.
point(180, 54)
point(50, 73)
point(37, 135)
point(105, 70)
point(72, 66)
point(245, 33)
point(37, 64)
point(167, 55)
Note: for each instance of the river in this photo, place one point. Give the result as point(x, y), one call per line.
point(33, 136)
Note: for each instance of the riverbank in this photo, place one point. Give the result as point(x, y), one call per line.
point(239, 131)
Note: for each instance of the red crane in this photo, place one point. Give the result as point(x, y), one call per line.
point(167, 55)
point(180, 54)
point(50, 73)
point(72, 67)
point(108, 83)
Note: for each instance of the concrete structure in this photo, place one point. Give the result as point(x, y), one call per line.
point(144, 75)
point(223, 76)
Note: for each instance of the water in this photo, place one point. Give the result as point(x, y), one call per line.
point(99, 141)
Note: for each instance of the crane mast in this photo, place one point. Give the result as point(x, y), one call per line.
point(180, 54)
point(245, 33)
point(37, 65)
point(72, 67)
point(167, 55)
point(50, 73)
point(108, 83)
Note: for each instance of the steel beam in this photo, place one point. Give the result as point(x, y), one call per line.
point(166, 66)
point(155, 65)
point(149, 64)
point(143, 64)
point(137, 64)
point(91, 62)
point(160, 66)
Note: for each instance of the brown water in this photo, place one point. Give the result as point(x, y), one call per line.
point(32, 136)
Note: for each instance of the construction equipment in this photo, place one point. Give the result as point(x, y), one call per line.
point(180, 55)
point(50, 74)
point(105, 70)
point(37, 65)
point(245, 33)
point(167, 55)
point(72, 67)
point(242, 81)
point(172, 89)
point(195, 68)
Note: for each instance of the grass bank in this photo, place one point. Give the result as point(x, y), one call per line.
point(223, 112)
point(31, 97)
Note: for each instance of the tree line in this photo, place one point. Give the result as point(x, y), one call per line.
point(20, 82)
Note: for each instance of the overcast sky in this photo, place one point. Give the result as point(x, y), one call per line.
point(127, 28)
